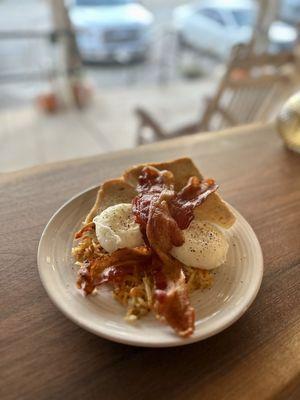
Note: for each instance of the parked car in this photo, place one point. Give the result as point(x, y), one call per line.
point(111, 30)
point(214, 26)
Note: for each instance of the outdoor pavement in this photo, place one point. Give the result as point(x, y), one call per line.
point(29, 137)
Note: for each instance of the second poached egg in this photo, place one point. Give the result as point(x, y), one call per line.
point(205, 246)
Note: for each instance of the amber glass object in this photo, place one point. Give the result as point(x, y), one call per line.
point(288, 122)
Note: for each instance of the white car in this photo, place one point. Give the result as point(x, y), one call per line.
point(214, 26)
point(111, 30)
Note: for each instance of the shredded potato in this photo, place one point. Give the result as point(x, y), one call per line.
point(136, 291)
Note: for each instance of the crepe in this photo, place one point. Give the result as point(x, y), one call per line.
point(122, 190)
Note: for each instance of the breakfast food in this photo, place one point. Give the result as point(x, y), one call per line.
point(154, 235)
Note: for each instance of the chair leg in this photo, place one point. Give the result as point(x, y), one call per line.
point(146, 121)
point(140, 137)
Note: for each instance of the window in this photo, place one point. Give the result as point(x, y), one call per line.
point(244, 17)
point(213, 14)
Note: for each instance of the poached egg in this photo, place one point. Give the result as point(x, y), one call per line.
point(205, 246)
point(116, 228)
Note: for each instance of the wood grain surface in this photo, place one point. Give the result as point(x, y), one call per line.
point(46, 356)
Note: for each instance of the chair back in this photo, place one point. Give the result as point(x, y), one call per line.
point(252, 89)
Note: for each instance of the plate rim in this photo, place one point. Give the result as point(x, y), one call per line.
point(237, 312)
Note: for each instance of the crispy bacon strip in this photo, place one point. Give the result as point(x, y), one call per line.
point(171, 299)
point(173, 305)
point(162, 215)
point(151, 184)
point(110, 267)
point(192, 195)
point(116, 274)
point(172, 302)
point(154, 185)
point(87, 228)
point(162, 230)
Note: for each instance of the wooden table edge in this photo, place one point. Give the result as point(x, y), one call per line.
point(198, 137)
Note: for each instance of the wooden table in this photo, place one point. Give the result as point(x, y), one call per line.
point(45, 356)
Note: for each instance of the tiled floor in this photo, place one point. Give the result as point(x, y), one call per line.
point(29, 138)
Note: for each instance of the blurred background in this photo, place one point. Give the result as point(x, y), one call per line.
point(84, 77)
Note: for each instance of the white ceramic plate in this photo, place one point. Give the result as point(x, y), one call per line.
point(236, 284)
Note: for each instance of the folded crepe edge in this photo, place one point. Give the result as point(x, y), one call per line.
point(122, 190)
